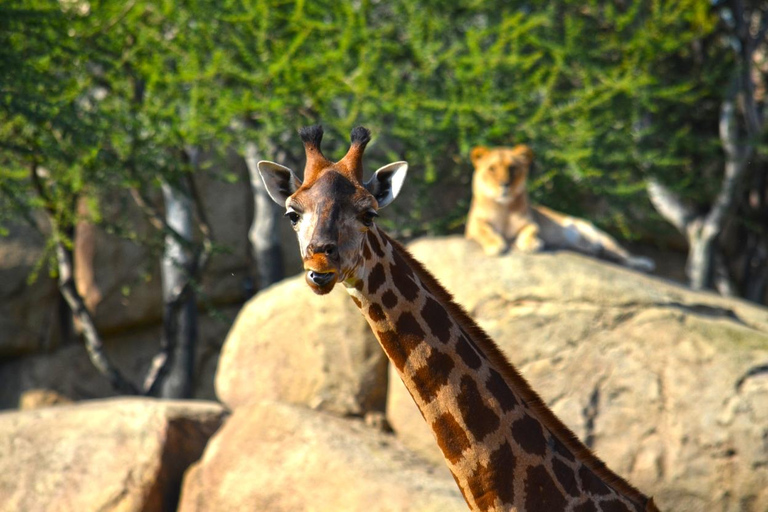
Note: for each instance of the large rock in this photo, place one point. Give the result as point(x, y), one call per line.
point(119, 455)
point(28, 320)
point(291, 345)
point(669, 386)
point(69, 372)
point(284, 458)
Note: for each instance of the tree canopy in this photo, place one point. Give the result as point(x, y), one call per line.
point(104, 95)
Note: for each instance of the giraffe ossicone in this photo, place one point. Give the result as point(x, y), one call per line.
point(505, 448)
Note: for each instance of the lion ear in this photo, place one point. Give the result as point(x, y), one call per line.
point(526, 152)
point(477, 153)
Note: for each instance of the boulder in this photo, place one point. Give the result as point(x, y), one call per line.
point(285, 458)
point(28, 310)
point(291, 345)
point(125, 454)
point(69, 372)
point(667, 385)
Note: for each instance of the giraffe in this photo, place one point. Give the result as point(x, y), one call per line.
point(505, 448)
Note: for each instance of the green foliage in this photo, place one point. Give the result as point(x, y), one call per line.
point(109, 94)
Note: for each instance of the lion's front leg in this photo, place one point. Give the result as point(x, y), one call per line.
point(492, 242)
point(528, 239)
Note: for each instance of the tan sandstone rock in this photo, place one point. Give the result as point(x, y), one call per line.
point(107, 455)
point(669, 386)
point(283, 458)
point(291, 345)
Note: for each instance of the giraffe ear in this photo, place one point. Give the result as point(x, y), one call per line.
point(280, 181)
point(385, 184)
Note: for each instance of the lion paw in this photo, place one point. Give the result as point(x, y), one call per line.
point(495, 249)
point(530, 245)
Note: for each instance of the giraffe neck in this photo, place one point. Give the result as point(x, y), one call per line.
point(504, 447)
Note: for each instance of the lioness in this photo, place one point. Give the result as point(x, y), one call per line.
point(501, 215)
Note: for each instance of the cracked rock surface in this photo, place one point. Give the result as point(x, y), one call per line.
point(126, 454)
point(667, 385)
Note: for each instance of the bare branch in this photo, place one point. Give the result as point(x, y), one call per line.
point(735, 166)
point(669, 205)
point(93, 343)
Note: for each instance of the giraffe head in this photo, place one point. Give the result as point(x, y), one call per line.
point(332, 209)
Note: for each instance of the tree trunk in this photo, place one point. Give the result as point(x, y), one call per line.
point(264, 233)
point(180, 309)
point(93, 343)
point(702, 231)
point(68, 289)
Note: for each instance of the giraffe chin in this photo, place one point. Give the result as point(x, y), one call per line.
point(320, 283)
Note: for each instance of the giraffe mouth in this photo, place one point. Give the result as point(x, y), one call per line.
point(321, 282)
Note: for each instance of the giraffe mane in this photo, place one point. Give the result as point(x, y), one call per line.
point(511, 375)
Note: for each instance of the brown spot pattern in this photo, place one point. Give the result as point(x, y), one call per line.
point(397, 347)
point(374, 242)
point(366, 251)
point(357, 302)
point(400, 343)
point(566, 476)
point(403, 278)
point(467, 355)
point(613, 506)
point(389, 299)
point(376, 278)
point(408, 326)
point(587, 506)
point(528, 432)
point(376, 313)
point(450, 437)
point(434, 375)
point(480, 488)
point(501, 391)
point(437, 319)
point(541, 493)
point(560, 449)
point(469, 340)
point(504, 459)
point(592, 484)
point(479, 418)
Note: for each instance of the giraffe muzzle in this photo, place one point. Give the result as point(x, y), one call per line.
point(321, 282)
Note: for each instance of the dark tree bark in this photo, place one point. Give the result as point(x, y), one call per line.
point(65, 263)
point(264, 233)
point(177, 272)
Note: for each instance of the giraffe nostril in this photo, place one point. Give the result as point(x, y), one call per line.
point(329, 249)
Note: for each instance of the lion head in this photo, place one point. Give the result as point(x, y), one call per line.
point(500, 173)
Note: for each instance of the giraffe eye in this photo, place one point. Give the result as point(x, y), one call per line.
point(293, 217)
point(367, 217)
